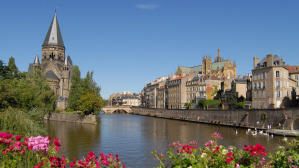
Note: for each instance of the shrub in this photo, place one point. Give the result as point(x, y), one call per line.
point(22, 123)
point(209, 103)
point(57, 111)
point(240, 105)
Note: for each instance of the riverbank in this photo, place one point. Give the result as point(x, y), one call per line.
point(250, 119)
point(78, 118)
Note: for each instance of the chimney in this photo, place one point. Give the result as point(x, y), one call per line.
point(269, 60)
point(255, 61)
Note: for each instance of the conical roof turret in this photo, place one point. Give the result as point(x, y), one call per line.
point(53, 36)
point(65, 61)
point(36, 60)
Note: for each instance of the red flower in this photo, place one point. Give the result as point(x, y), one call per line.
point(57, 144)
point(18, 137)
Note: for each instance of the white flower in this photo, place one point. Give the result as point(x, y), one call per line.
point(203, 155)
point(280, 147)
point(224, 151)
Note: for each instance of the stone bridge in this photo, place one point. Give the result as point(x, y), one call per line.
point(113, 109)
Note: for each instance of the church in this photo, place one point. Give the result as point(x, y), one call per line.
point(56, 66)
point(220, 67)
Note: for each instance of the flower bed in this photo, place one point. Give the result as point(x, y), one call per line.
point(214, 155)
point(41, 152)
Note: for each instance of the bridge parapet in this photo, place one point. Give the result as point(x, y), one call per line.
point(112, 109)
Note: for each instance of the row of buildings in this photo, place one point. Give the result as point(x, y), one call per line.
point(124, 99)
point(272, 84)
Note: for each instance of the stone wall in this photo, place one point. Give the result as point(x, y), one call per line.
point(90, 119)
point(251, 116)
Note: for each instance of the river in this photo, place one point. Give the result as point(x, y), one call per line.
point(133, 137)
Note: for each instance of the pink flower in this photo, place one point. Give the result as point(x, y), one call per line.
point(290, 159)
point(209, 143)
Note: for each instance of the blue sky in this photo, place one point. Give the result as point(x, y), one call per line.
point(128, 43)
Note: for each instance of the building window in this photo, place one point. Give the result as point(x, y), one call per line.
point(277, 74)
point(277, 93)
point(297, 83)
point(264, 94)
point(296, 76)
point(264, 75)
point(259, 94)
point(254, 86)
point(277, 83)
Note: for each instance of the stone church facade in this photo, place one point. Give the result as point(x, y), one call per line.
point(220, 67)
point(56, 66)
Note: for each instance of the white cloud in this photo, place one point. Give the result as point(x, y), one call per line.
point(146, 6)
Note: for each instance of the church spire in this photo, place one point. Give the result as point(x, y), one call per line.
point(218, 59)
point(53, 36)
point(36, 60)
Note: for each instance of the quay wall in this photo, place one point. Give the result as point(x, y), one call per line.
point(253, 117)
point(89, 119)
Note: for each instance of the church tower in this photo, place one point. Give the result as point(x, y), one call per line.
point(56, 66)
point(65, 79)
point(206, 65)
point(218, 58)
point(53, 48)
point(36, 64)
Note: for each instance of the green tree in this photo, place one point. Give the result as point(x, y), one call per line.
point(76, 88)
point(240, 105)
point(13, 69)
point(187, 105)
point(90, 103)
point(232, 101)
point(3, 70)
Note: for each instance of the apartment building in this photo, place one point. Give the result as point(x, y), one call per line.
point(197, 87)
point(150, 92)
point(270, 83)
point(177, 96)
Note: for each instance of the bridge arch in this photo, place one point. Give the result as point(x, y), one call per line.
point(119, 111)
point(112, 109)
point(295, 124)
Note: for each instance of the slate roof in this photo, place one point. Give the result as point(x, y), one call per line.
point(53, 36)
point(215, 66)
point(30, 68)
point(51, 74)
point(275, 59)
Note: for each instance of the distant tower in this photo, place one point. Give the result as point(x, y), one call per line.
point(36, 64)
point(53, 46)
point(218, 59)
point(206, 65)
point(65, 76)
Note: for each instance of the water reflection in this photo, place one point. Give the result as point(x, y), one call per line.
point(76, 139)
point(133, 137)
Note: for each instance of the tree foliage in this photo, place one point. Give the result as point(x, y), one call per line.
point(12, 68)
point(85, 95)
point(209, 92)
point(232, 102)
point(209, 103)
point(240, 105)
point(27, 93)
point(76, 88)
point(3, 70)
point(90, 103)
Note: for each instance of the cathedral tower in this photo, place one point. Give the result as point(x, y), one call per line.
point(206, 65)
point(53, 47)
